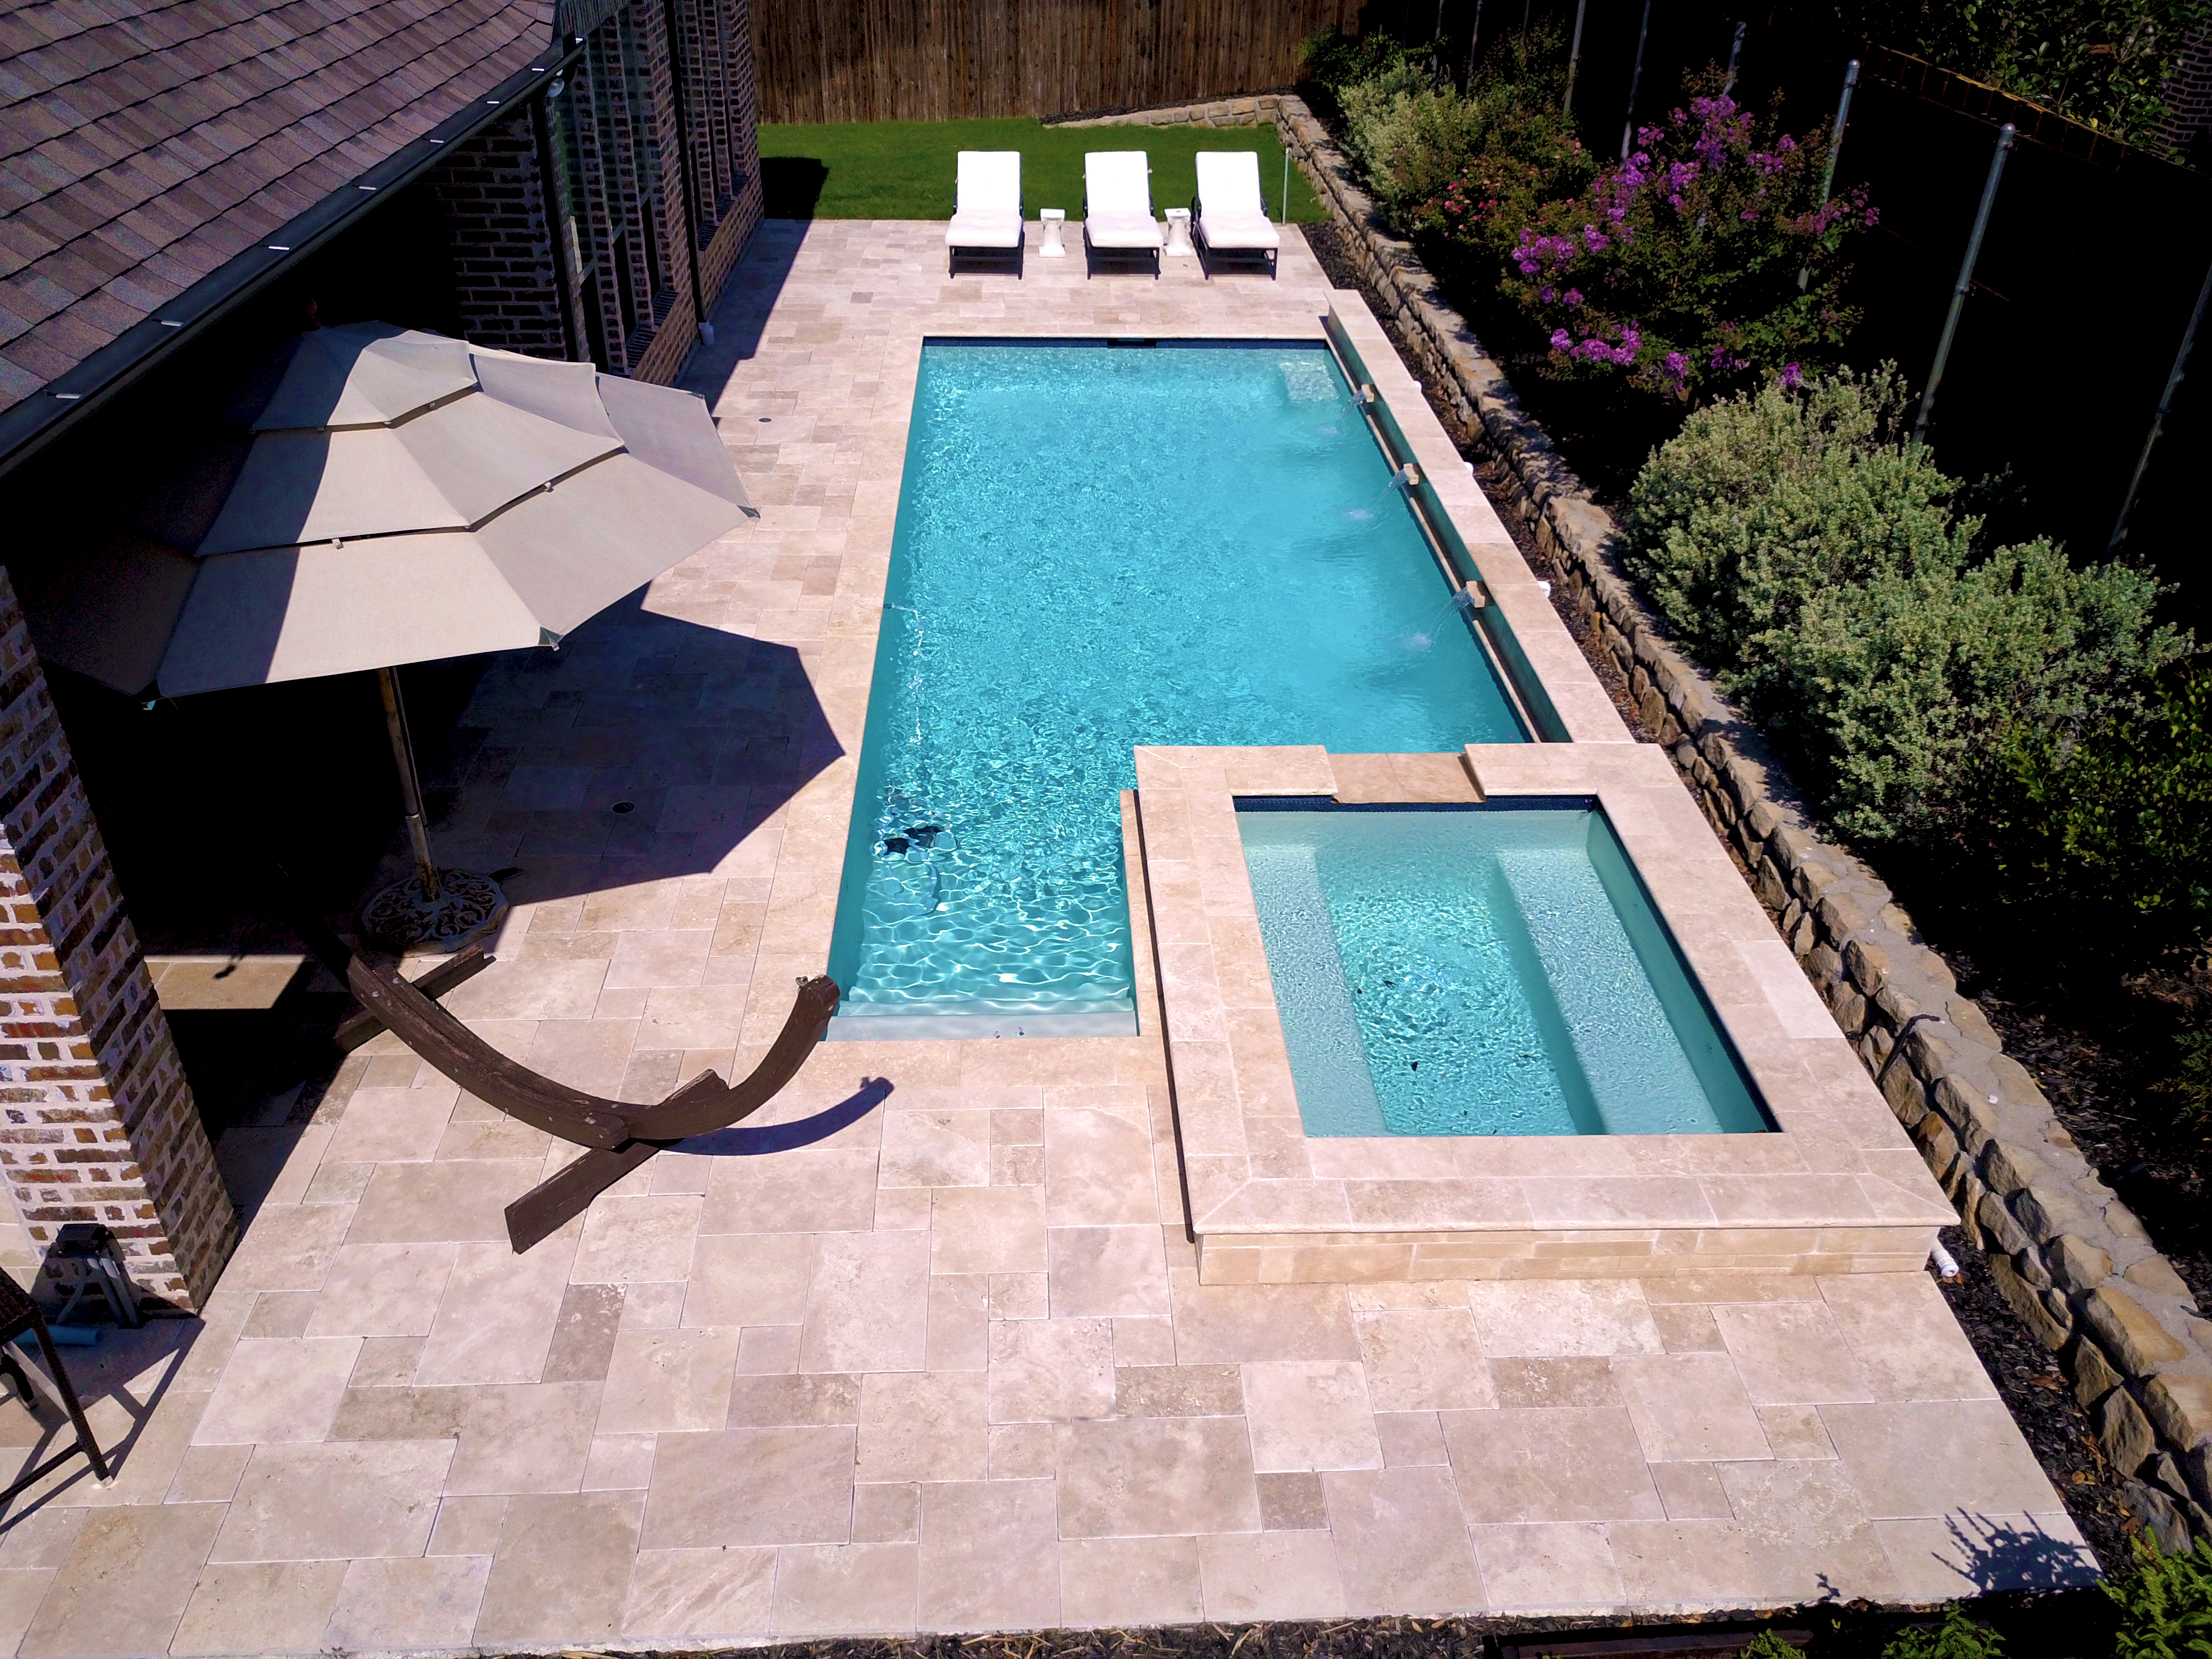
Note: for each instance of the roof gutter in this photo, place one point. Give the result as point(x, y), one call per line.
point(62, 402)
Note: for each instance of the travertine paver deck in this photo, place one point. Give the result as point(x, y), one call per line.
point(926, 1348)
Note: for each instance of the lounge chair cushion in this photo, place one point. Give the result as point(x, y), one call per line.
point(1237, 232)
point(1231, 213)
point(1117, 197)
point(991, 228)
point(988, 212)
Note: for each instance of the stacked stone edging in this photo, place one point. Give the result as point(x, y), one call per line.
point(2070, 1258)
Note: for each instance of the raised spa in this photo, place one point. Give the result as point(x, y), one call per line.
point(1492, 969)
point(1099, 548)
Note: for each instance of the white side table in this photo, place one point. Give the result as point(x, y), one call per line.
point(1178, 245)
point(1052, 220)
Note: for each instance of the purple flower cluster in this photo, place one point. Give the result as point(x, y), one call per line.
point(1593, 349)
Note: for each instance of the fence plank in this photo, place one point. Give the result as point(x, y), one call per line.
point(922, 60)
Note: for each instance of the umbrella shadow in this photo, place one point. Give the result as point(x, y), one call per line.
point(648, 747)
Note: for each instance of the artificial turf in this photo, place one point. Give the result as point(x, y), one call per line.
point(904, 169)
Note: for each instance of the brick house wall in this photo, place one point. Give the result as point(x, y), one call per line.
point(97, 1122)
point(494, 199)
point(2188, 91)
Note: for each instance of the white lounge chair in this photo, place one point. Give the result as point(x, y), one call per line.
point(1117, 205)
point(986, 214)
point(1227, 214)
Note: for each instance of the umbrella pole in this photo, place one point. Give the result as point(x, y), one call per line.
point(410, 786)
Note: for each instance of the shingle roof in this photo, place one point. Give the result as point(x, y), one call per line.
point(144, 144)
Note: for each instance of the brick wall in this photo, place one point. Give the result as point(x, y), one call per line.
point(97, 1122)
point(493, 200)
point(2188, 90)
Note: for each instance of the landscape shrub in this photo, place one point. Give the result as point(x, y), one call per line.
point(1680, 265)
point(1957, 1638)
point(2165, 1603)
point(1815, 564)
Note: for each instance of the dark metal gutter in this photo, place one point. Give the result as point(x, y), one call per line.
point(67, 399)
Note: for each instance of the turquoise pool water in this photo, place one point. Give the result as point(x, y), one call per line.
point(1480, 970)
point(1099, 548)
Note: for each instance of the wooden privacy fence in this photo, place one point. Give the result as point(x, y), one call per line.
point(935, 60)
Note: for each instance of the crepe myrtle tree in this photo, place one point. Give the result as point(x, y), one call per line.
point(1707, 260)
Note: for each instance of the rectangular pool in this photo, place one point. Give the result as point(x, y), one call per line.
point(1194, 542)
point(1492, 969)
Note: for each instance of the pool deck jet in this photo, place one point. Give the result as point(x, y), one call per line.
point(929, 1345)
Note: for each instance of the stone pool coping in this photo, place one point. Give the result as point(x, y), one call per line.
point(1838, 1188)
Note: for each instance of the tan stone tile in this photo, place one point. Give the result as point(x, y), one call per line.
point(1228, 1324)
point(767, 1350)
point(1688, 1407)
point(651, 1306)
point(584, 1334)
point(846, 1589)
point(279, 1315)
point(1142, 1476)
point(886, 1514)
point(1809, 1532)
point(1047, 1370)
point(1401, 1544)
point(384, 1126)
point(382, 1290)
point(1692, 1491)
point(1411, 1440)
point(1309, 1414)
point(936, 1148)
point(435, 1203)
point(1023, 1451)
point(400, 1413)
point(1901, 1331)
point(468, 1526)
point(562, 1570)
point(1130, 1581)
point(1551, 1317)
point(125, 1582)
point(1178, 1391)
point(1795, 1431)
point(990, 1557)
point(789, 1485)
point(1559, 1567)
point(1020, 1295)
point(206, 1475)
point(866, 1309)
point(523, 1437)
point(259, 1606)
point(619, 1462)
point(1118, 1272)
point(923, 1425)
point(1420, 1359)
point(1582, 1380)
point(1684, 1564)
point(1270, 1576)
point(632, 1239)
point(496, 1320)
point(669, 1382)
point(986, 1229)
point(1558, 1463)
point(749, 1278)
point(1687, 1327)
point(1098, 1169)
point(1939, 1560)
point(278, 1391)
point(693, 1594)
point(397, 1605)
point(355, 1497)
point(1144, 1342)
point(765, 1401)
point(959, 1322)
point(1790, 1352)
point(287, 1247)
point(1911, 1459)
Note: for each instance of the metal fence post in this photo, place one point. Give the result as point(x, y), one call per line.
point(2006, 135)
point(1835, 148)
point(1635, 79)
point(2158, 420)
point(1574, 51)
point(1736, 54)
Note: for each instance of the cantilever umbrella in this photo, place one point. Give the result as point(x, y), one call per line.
point(379, 496)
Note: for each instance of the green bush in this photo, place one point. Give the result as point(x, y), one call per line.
point(2165, 1603)
point(1957, 1638)
point(1767, 1645)
point(1814, 562)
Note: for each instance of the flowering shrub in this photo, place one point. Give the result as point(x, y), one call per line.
point(1679, 265)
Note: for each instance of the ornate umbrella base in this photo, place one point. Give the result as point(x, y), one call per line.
point(467, 905)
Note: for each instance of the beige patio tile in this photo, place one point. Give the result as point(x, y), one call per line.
point(1117, 1272)
point(1561, 1567)
point(1795, 1432)
point(278, 1391)
point(1692, 1491)
point(125, 1582)
point(1810, 1534)
point(1559, 1463)
point(1130, 1581)
point(1688, 1406)
point(257, 1606)
point(1309, 1414)
point(1577, 1380)
point(890, 1513)
point(986, 1229)
point(1401, 1544)
point(430, 1602)
point(936, 1148)
point(1411, 1440)
point(354, 1498)
point(495, 1320)
point(923, 1425)
point(525, 1438)
point(388, 1125)
point(1424, 1360)
point(288, 1246)
point(1270, 1576)
point(1138, 1477)
point(1790, 1352)
point(1050, 1370)
point(1684, 1564)
point(1901, 1331)
point(1178, 1391)
point(1098, 1169)
point(811, 1190)
point(696, 1593)
point(434, 1203)
point(1938, 1560)
point(865, 1310)
point(846, 1588)
point(989, 1558)
point(468, 1526)
point(562, 1570)
point(788, 1485)
point(749, 1278)
point(636, 1238)
point(619, 1462)
point(1556, 1317)
point(1911, 1459)
point(669, 1382)
point(381, 1290)
point(766, 1401)
point(1228, 1324)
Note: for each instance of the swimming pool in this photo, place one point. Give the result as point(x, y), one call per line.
point(1194, 542)
point(1492, 969)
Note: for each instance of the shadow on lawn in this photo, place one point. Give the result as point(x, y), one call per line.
point(791, 185)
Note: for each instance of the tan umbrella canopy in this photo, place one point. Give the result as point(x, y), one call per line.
point(381, 495)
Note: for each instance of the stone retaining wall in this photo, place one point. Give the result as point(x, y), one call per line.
point(2070, 1258)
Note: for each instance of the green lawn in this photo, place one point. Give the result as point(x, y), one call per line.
point(904, 169)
